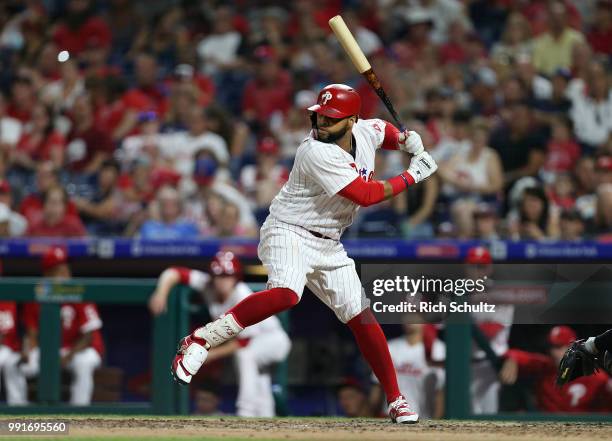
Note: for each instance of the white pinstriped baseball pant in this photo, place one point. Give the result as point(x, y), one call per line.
point(295, 258)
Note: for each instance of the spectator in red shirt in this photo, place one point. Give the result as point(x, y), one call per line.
point(600, 37)
point(82, 345)
point(150, 94)
point(81, 27)
point(40, 141)
point(55, 221)
point(88, 145)
point(31, 206)
point(585, 394)
point(454, 51)
point(185, 74)
point(23, 97)
point(269, 92)
point(562, 150)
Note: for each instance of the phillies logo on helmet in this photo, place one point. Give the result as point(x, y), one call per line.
point(326, 97)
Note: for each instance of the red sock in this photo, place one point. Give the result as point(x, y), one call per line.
point(261, 305)
point(373, 345)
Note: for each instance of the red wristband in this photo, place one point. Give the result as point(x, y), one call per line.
point(401, 182)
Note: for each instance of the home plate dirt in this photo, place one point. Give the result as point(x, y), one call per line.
point(331, 429)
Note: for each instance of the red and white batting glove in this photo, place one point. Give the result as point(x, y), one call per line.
point(410, 142)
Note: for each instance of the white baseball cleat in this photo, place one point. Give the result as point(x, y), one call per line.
point(400, 412)
point(190, 356)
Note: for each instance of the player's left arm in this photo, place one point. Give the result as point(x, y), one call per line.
point(83, 342)
point(171, 277)
point(366, 193)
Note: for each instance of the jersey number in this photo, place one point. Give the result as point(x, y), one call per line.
point(577, 391)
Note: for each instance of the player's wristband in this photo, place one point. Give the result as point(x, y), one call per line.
point(401, 182)
point(408, 179)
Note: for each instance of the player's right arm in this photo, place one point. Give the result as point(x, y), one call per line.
point(522, 363)
point(171, 277)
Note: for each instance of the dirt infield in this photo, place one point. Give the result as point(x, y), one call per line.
point(229, 428)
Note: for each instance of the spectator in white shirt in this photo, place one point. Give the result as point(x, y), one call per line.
point(12, 224)
point(218, 51)
point(10, 128)
point(592, 108)
point(180, 148)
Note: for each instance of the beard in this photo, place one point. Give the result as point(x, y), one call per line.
point(331, 138)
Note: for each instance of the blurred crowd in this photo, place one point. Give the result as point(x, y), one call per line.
point(180, 119)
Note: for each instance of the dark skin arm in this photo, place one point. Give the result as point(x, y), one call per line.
point(82, 343)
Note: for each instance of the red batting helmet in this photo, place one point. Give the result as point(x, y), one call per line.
point(337, 101)
point(478, 256)
point(225, 263)
point(561, 336)
point(53, 257)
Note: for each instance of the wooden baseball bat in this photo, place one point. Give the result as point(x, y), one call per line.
point(362, 64)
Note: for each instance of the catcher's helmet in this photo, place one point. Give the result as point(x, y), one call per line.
point(225, 263)
point(561, 336)
point(337, 101)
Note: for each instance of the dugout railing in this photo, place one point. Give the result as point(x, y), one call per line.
point(166, 396)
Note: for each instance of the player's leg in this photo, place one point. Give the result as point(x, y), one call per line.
point(340, 289)
point(265, 350)
point(31, 367)
point(82, 367)
point(484, 388)
point(247, 401)
point(285, 255)
point(267, 406)
point(16, 385)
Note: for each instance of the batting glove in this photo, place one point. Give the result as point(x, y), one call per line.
point(410, 142)
point(422, 166)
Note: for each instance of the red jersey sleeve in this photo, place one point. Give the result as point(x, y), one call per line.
point(531, 363)
point(366, 193)
point(196, 280)
point(391, 137)
point(88, 319)
point(30, 315)
point(8, 324)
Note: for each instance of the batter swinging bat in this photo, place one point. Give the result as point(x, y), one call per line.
point(361, 63)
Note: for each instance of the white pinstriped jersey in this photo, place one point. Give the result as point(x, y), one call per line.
point(308, 199)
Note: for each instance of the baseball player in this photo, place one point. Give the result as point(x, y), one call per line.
point(485, 385)
point(14, 380)
point(585, 357)
point(416, 377)
point(82, 344)
point(255, 350)
point(331, 178)
point(584, 394)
